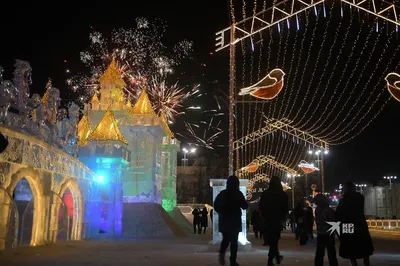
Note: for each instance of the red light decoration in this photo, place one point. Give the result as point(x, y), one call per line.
point(252, 167)
point(267, 88)
point(307, 168)
point(393, 83)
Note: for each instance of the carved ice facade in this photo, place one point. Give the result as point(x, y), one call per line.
point(43, 149)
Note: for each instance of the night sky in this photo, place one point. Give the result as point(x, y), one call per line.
point(46, 35)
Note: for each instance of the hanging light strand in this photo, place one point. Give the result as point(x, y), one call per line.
point(297, 68)
point(324, 116)
point(345, 131)
point(316, 65)
point(243, 46)
point(251, 126)
point(304, 66)
point(348, 98)
point(368, 123)
point(324, 72)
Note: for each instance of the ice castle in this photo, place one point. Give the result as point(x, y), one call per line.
point(132, 148)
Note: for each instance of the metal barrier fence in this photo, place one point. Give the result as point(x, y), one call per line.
point(384, 224)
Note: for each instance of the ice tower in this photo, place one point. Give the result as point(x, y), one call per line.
point(147, 147)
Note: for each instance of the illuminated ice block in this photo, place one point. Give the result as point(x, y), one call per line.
point(218, 185)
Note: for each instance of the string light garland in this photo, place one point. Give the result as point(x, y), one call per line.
point(297, 68)
point(309, 104)
point(332, 109)
point(286, 151)
point(310, 117)
point(244, 50)
point(354, 135)
point(279, 148)
point(351, 91)
point(285, 93)
point(254, 148)
point(312, 84)
point(333, 137)
point(342, 139)
point(304, 68)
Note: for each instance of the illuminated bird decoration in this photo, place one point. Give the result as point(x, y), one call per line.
point(393, 85)
point(251, 185)
point(267, 88)
point(252, 167)
point(307, 168)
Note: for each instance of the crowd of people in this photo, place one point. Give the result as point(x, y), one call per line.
point(200, 220)
point(270, 219)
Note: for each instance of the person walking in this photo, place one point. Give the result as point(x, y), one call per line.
point(229, 205)
point(257, 223)
point(274, 204)
point(292, 221)
point(196, 220)
point(355, 240)
point(204, 220)
point(310, 221)
point(301, 230)
point(325, 239)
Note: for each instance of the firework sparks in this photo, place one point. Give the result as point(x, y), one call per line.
point(168, 100)
point(141, 56)
point(205, 133)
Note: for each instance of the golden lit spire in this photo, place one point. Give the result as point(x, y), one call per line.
point(84, 130)
point(142, 106)
point(112, 77)
point(45, 98)
point(128, 104)
point(107, 129)
point(164, 125)
point(94, 99)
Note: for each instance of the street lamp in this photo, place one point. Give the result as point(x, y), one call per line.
point(361, 186)
point(185, 152)
point(293, 183)
point(390, 187)
point(390, 180)
point(320, 159)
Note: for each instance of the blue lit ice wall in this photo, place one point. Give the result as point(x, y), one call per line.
point(104, 208)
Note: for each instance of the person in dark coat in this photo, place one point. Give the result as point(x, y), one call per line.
point(229, 204)
point(309, 221)
point(204, 220)
point(196, 220)
point(292, 221)
point(274, 204)
point(325, 239)
point(355, 240)
point(300, 217)
point(257, 223)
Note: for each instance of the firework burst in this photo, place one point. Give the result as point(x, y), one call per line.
point(141, 56)
point(167, 99)
point(205, 133)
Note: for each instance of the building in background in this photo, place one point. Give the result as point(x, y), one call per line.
point(193, 182)
point(382, 201)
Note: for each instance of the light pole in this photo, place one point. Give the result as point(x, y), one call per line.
point(361, 187)
point(320, 160)
point(339, 190)
point(292, 177)
point(185, 152)
point(390, 191)
point(390, 180)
